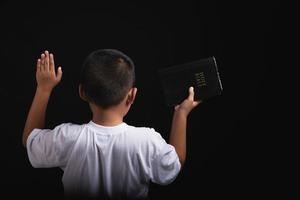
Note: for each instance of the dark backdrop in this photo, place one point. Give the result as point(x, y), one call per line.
point(228, 139)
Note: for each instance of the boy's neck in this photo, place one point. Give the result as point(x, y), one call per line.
point(106, 117)
point(108, 120)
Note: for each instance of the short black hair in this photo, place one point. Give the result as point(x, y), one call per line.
point(106, 77)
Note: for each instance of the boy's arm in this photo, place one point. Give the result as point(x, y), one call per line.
point(178, 129)
point(46, 79)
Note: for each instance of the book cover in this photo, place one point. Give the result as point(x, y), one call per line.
point(202, 74)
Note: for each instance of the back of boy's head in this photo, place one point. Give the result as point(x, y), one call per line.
point(106, 77)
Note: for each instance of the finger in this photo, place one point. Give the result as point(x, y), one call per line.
point(51, 63)
point(42, 62)
point(196, 103)
point(191, 94)
point(47, 61)
point(59, 74)
point(38, 65)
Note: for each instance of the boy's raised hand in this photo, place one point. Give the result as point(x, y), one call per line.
point(46, 76)
point(188, 104)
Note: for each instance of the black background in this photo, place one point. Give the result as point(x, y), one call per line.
point(230, 138)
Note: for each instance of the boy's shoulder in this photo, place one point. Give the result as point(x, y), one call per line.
point(69, 125)
point(145, 132)
point(145, 138)
point(68, 128)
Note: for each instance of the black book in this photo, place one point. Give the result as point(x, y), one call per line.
point(203, 75)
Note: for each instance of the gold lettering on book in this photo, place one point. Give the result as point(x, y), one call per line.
point(200, 79)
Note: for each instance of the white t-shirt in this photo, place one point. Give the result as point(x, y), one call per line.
point(117, 161)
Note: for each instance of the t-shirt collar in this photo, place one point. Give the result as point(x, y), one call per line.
point(108, 129)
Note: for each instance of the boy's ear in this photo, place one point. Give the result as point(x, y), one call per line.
point(81, 93)
point(131, 96)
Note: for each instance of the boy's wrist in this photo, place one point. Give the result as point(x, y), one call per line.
point(43, 91)
point(181, 112)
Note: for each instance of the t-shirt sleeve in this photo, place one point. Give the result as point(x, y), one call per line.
point(165, 164)
point(51, 148)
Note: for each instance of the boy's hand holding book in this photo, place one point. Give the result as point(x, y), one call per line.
point(188, 104)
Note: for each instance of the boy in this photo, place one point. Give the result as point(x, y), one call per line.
point(105, 157)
